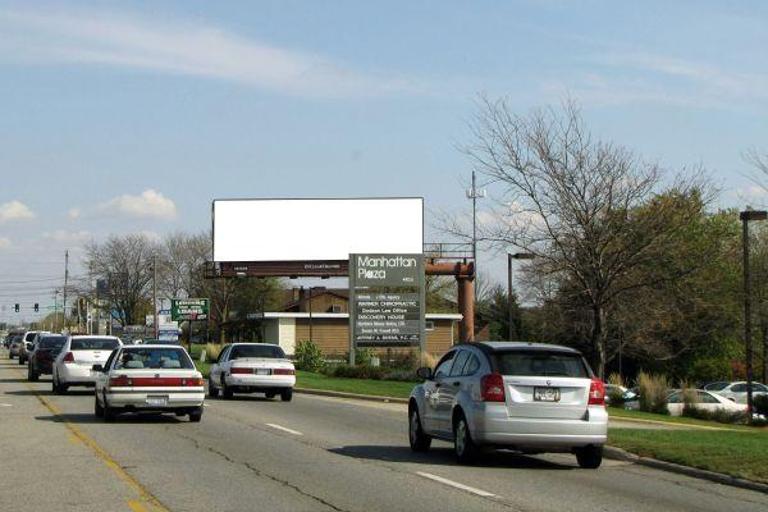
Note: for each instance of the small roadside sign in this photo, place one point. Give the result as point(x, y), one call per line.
point(189, 309)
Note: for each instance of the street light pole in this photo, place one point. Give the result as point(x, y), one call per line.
point(745, 217)
point(510, 295)
point(473, 194)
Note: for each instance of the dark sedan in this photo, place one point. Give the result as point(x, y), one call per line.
point(45, 350)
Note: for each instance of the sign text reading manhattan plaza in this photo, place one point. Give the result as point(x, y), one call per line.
point(369, 267)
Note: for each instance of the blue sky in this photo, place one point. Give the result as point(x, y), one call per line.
point(131, 116)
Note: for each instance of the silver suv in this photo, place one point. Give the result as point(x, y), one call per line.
point(529, 397)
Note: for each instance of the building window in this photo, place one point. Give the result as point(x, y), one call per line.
point(429, 325)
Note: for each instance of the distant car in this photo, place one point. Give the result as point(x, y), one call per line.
point(252, 368)
point(626, 394)
point(73, 365)
point(29, 340)
point(14, 346)
point(530, 397)
point(737, 391)
point(155, 341)
point(149, 378)
point(45, 350)
point(702, 399)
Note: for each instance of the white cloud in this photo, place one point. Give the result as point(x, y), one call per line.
point(5, 242)
point(15, 210)
point(133, 42)
point(74, 213)
point(68, 237)
point(149, 204)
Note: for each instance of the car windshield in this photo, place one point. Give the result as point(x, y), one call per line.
point(539, 363)
point(268, 351)
point(51, 342)
point(716, 386)
point(94, 344)
point(135, 358)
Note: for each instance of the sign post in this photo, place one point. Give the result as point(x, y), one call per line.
point(190, 310)
point(387, 301)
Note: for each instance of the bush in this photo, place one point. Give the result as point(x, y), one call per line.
point(364, 355)
point(212, 351)
point(308, 356)
point(615, 396)
point(760, 404)
point(363, 371)
point(718, 415)
point(653, 391)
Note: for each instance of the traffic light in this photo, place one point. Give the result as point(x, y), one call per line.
point(37, 307)
point(16, 308)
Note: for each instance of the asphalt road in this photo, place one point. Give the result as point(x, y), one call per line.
point(311, 454)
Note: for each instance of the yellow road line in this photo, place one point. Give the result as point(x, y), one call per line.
point(144, 494)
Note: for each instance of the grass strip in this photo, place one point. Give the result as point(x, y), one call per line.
point(739, 454)
point(391, 388)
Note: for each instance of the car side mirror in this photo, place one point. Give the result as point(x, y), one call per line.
point(97, 368)
point(425, 372)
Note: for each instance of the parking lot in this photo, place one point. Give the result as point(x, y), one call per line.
point(310, 454)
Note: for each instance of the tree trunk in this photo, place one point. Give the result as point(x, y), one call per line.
point(598, 336)
point(764, 333)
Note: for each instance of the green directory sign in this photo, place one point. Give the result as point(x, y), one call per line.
point(386, 300)
point(189, 309)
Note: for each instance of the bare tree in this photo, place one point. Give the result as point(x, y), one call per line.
point(575, 202)
point(125, 262)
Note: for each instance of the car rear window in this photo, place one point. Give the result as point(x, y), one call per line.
point(52, 342)
point(540, 363)
point(716, 386)
point(94, 344)
point(268, 351)
point(135, 358)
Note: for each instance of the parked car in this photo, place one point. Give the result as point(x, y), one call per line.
point(43, 353)
point(737, 391)
point(15, 345)
point(715, 386)
point(252, 368)
point(702, 399)
point(73, 365)
point(26, 346)
point(148, 378)
point(626, 394)
point(529, 397)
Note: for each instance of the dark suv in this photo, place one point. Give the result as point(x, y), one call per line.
point(43, 353)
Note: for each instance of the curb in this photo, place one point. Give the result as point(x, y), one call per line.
point(341, 394)
point(721, 478)
point(686, 426)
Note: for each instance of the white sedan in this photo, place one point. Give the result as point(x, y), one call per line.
point(72, 366)
point(705, 400)
point(737, 391)
point(149, 378)
point(252, 368)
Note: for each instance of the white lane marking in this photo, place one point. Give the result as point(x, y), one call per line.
point(457, 485)
point(6, 405)
point(284, 429)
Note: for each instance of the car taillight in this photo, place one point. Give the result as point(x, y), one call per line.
point(241, 370)
point(69, 357)
point(194, 383)
point(492, 388)
point(120, 382)
point(596, 392)
point(283, 371)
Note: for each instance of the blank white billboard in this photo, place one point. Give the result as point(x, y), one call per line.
point(315, 229)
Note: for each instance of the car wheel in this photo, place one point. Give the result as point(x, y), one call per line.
point(225, 391)
point(196, 415)
point(286, 395)
point(589, 457)
point(21, 361)
point(213, 391)
point(31, 374)
point(109, 413)
point(465, 449)
point(420, 442)
point(98, 410)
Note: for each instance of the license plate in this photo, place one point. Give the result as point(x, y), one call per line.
point(157, 401)
point(263, 371)
point(546, 394)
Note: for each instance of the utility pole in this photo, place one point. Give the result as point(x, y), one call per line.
point(154, 293)
point(66, 279)
point(473, 194)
